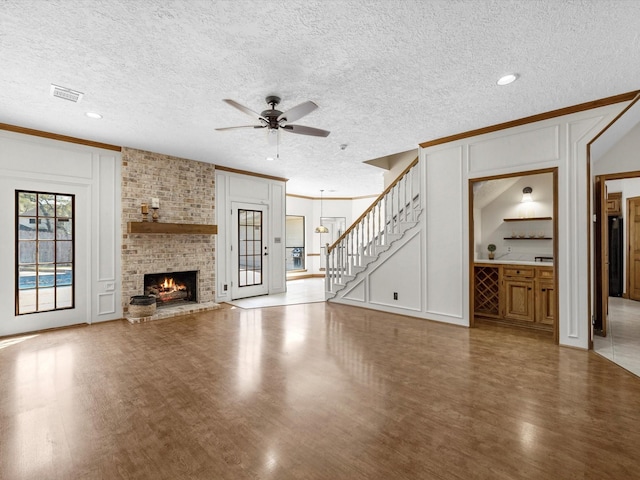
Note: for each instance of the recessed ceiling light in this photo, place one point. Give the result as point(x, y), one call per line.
point(507, 79)
point(269, 159)
point(93, 115)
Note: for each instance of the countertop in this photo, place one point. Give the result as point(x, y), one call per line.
point(514, 262)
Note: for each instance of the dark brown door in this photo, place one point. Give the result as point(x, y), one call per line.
point(601, 261)
point(633, 214)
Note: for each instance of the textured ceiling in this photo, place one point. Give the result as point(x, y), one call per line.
point(387, 74)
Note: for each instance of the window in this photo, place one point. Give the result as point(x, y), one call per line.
point(250, 252)
point(295, 243)
point(45, 252)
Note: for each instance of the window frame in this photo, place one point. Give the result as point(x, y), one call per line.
point(36, 220)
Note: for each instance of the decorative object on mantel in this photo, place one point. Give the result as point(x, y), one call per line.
point(321, 228)
point(172, 228)
point(155, 205)
point(144, 208)
point(492, 249)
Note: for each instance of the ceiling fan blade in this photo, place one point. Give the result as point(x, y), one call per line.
point(298, 111)
point(244, 109)
point(302, 130)
point(241, 126)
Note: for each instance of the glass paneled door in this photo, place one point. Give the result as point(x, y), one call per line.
point(249, 251)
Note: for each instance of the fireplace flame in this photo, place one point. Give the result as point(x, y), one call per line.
point(169, 285)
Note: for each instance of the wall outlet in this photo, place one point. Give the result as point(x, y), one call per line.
point(508, 249)
point(395, 295)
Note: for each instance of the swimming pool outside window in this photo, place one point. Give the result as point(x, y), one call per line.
point(45, 251)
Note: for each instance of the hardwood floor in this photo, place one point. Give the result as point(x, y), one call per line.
point(315, 391)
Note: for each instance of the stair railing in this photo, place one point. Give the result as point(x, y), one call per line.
point(376, 227)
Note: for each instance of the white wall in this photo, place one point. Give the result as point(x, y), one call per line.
point(93, 176)
point(431, 266)
point(234, 187)
point(559, 142)
point(624, 156)
point(508, 205)
point(309, 207)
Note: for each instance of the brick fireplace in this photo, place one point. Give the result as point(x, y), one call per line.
point(172, 288)
point(185, 189)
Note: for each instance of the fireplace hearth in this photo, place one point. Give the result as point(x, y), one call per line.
point(172, 288)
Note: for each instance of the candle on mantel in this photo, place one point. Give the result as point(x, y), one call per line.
point(144, 208)
point(155, 203)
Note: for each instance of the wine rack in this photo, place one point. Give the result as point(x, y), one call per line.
point(487, 291)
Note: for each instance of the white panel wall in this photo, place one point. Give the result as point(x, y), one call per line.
point(535, 145)
point(560, 142)
point(278, 237)
point(446, 230)
point(383, 280)
point(93, 176)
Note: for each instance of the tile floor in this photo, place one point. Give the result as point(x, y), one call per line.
point(622, 343)
point(305, 290)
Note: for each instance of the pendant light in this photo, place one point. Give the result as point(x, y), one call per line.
point(321, 228)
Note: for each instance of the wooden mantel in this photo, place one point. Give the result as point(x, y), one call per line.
point(171, 228)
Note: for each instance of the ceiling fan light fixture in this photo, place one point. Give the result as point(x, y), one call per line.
point(507, 79)
point(275, 120)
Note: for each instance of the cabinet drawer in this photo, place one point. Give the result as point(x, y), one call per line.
point(545, 272)
point(519, 272)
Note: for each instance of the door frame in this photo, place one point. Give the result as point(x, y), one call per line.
point(252, 290)
point(556, 284)
point(600, 236)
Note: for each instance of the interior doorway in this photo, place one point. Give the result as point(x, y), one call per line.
point(513, 245)
point(616, 244)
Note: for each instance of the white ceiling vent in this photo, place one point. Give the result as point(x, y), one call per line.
point(66, 93)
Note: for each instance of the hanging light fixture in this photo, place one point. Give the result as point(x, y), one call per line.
point(321, 228)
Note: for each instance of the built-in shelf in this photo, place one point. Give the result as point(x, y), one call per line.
point(171, 228)
point(528, 219)
point(528, 238)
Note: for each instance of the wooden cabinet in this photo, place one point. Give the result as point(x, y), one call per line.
point(545, 296)
point(614, 204)
point(519, 294)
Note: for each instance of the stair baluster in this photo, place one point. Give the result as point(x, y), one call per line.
point(382, 223)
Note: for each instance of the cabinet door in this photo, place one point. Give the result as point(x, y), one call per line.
point(614, 204)
point(546, 308)
point(519, 303)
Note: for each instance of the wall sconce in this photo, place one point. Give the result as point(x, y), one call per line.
point(321, 228)
point(527, 204)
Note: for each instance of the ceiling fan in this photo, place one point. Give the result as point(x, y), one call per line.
point(274, 120)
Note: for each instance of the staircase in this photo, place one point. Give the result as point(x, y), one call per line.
point(394, 212)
